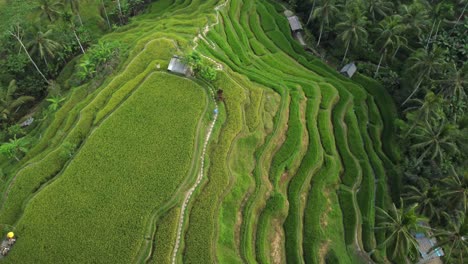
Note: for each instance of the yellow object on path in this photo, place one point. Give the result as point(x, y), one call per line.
point(10, 235)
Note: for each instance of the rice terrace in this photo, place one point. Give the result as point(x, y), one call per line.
point(233, 131)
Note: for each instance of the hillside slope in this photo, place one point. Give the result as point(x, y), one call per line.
point(294, 169)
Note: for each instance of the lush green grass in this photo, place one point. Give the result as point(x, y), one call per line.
point(107, 199)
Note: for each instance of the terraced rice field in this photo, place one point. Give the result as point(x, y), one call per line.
point(298, 159)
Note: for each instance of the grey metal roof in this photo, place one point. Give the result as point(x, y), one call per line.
point(349, 69)
point(294, 23)
point(177, 66)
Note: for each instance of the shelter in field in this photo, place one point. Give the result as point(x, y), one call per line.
point(429, 252)
point(177, 66)
point(295, 24)
point(349, 70)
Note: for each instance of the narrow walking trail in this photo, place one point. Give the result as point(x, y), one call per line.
point(219, 66)
point(198, 181)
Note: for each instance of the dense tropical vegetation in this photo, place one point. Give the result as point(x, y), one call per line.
point(419, 51)
point(49, 46)
point(304, 166)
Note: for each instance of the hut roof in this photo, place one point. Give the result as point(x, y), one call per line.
point(349, 69)
point(177, 66)
point(28, 122)
point(294, 23)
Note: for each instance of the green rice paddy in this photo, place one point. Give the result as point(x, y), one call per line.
point(298, 159)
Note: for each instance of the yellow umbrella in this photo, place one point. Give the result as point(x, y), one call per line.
point(10, 235)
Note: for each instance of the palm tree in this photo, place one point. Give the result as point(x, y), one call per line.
point(75, 8)
point(43, 45)
point(390, 31)
point(453, 86)
point(434, 140)
point(352, 29)
point(423, 64)
point(427, 197)
point(69, 19)
point(17, 32)
point(325, 11)
point(440, 12)
point(120, 12)
point(428, 109)
point(462, 12)
point(105, 13)
point(454, 239)
point(379, 7)
point(8, 103)
point(399, 224)
point(415, 16)
point(455, 190)
point(49, 9)
point(311, 13)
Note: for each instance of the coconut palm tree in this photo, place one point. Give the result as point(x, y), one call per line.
point(17, 32)
point(379, 8)
point(75, 8)
point(423, 64)
point(119, 5)
point(428, 109)
point(428, 198)
point(42, 44)
point(8, 103)
point(325, 11)
point(442, 11)
point(454, 239)
point(353, 29)
point(415, 16)
point(390, 31)
point(104, 9)
point(399, 224)
point(49, 9)
point(455, 190)
point(455, 82)
point(434, 140)
point(311, 13)
point(69, 19)
point(462, 12)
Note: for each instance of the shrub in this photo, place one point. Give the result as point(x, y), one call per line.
point(98, 58)
point(208, 73)
point(200, 66)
